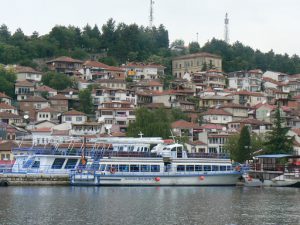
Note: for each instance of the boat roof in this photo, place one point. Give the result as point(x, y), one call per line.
point(276, 156)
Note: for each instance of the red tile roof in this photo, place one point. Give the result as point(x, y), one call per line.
point(197, 143)
point(34, 99)
point(42, 129)
point(3, 95)
point(184, 124)
point(217, 112)
point(73, 113)
point(212, 126)
point(48, 109)
point(243, 92)
point(24, 83)
point(65, 59)
point(6, 106)
point(58, 97)
point(7, 115)
point(26, 69)
point(44, 88)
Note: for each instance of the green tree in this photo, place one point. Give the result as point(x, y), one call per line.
point(240, 146)
point(194, 47)
point(7, 81)
point(58, 81)
point(277, 140)
point(86, 101)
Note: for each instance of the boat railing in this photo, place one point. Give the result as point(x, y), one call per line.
point(208, 155)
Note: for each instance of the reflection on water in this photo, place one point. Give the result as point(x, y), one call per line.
point(149, 205)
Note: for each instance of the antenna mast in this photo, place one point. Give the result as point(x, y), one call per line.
point(151, 14)
point(226, 30)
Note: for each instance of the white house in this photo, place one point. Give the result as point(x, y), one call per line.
point(278, 76)
point(217, 116)
point(74, 117)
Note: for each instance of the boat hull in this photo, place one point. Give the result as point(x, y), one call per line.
point(157, 180)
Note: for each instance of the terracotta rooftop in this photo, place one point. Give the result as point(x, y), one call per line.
point(142, 65)
point(42, 129)
point(243, 92)
point(201, 54)
point(197, 143)
point(65, 59)
point(97, 64)
point(48, 109)
point(7, 145)
point(212, 126)
point(44, 88)
point(7, 115)
point(73, 113)
point(236, 106)
point(3, 95)
point(34, 99)
point(184, 124)
point(24, 83)
point(217, 112)
point(58, 97)
point(26, 69)
point(6, 106)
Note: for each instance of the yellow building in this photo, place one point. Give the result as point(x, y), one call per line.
point(194, 63)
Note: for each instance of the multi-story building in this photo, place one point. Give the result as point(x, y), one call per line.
point(93, 70)
point(246, 80)
point(139, 71)
point(4, 98)
point(24, 89)
point(59, 102)
point(216, 116)
point(111, 83)
point(248, 98)
point(194, 63)
point(74, 117)
point(214, 100)
point(27, 73)
point(278, 76)
point(104, 94)
point(65, 65)
point(119, 113)
point(48, 91)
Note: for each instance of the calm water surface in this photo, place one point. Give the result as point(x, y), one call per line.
point(149, 205)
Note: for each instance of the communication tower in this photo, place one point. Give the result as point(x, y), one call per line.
point(226, 29)
point(151, 14)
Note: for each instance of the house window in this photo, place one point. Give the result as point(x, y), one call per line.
point(78, 118)
point(68, 118)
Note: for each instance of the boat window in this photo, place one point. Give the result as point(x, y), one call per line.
point(198, 168)
point(123, 168)
point(115, 167)
point(155, 168)
point(189, 168)
point(71, 163)
point(146, 149)
point(173, 149)
point(107, 167)
point(145, 168)
point(58, 163)
point(180, 168)
point(229, 168)
point(134, 168)
point(142, 149)
point(121, 148)
point(36, 164)
point(207, 167)
point(179, 149)
point(94, 166)
point(222, 168)
point(215, 168)
point(102, 167)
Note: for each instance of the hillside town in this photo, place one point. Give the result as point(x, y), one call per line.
point(217, 104)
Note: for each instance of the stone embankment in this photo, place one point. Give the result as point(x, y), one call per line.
point(33, 179)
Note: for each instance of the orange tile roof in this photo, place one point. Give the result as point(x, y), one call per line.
point(65, 59)
point(184, 124)
point(217, 112)
point(26, 69)
point(42, 129)
point(44, 88)
point(58, 97)
point(34, 99)
point(6, 106)
point(3, 95)
point(73, 113)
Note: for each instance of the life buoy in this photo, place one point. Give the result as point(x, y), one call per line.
point(112, 170)
point(157, 179)
point(238, 168)
point(79, 171)
point(201, 178)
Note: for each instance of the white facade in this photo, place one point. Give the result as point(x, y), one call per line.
point(276, 76)
point(74, 119)
point(217, 119)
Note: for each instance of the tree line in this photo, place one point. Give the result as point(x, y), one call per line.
point(120, 42)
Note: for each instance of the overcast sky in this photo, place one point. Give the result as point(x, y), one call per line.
point(261, 24)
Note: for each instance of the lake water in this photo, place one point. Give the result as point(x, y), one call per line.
point(149, 205)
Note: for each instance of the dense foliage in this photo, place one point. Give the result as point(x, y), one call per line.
point(58, 81)
point(86, 101)
point(277, 140)
point(154, 123)
point(7, 81)
point(242, 146)
point(240, 57)
point(119, 41)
